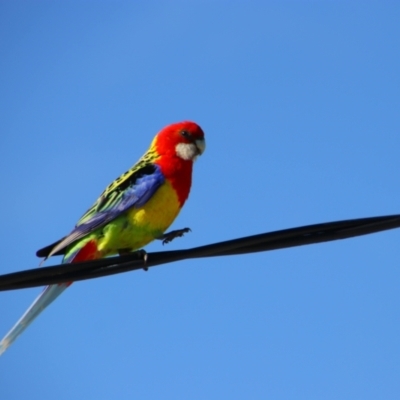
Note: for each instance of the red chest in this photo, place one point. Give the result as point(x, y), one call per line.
point(179, 173)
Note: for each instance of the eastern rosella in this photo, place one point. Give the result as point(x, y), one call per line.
point(132, 211)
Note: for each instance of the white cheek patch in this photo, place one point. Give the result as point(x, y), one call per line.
point(187, 151)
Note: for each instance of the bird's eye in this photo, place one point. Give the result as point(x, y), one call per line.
point(185, 134)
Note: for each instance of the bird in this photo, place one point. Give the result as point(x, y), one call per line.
point(135, 209)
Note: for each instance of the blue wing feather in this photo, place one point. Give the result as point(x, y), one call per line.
point(136, 195)
point(133, 192)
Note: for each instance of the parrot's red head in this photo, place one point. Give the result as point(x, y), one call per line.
point(183, 139)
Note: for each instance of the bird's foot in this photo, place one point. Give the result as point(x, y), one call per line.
point(143, 254)
point(170, 236)
point(140, 253)
point(124, 252)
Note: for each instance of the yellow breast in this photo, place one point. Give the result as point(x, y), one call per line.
point(139, 226)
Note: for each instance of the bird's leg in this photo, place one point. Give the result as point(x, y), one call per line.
point(141, 254)
point(170, 236)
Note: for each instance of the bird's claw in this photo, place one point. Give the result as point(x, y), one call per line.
point(170, 236)
point(143, 254)
point(140, 253)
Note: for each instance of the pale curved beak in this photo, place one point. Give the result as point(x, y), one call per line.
point(201, 145)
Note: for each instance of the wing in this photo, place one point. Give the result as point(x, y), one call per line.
point(132, 189)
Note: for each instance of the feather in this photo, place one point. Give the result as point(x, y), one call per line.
point(133, 191)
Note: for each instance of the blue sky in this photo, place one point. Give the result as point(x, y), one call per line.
point(300, 105)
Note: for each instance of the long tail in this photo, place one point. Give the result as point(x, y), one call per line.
point(49, 294)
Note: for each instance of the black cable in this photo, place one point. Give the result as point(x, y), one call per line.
point(263, 242)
